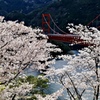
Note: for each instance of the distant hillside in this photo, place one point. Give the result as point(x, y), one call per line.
point(63, 12)
point(22, 6)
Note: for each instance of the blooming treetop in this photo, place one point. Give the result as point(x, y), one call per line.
point(21, 47)
point(83, 70)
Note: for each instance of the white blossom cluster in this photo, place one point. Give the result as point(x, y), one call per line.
point(21, 91)
point(83, 70)
point(53, 96)
point(21, 47)
point(90, 35)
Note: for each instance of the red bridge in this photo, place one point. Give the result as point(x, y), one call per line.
point(66, 37)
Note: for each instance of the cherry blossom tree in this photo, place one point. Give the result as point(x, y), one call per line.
point(82, 71)
point(53, 96)
point(21, 47)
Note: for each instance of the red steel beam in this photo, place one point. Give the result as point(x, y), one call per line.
point(68, 38)
point(47, 17)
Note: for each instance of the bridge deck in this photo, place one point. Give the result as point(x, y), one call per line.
point(69, 38)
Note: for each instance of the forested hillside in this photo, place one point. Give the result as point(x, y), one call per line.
point(62, 11)
point(22, 6)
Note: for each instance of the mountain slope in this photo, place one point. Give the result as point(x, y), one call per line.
point(63, 12)
point(23, 6)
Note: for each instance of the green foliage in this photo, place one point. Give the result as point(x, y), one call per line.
point(39, 85)
point(32, 98)
point(18, 82)
point(2, 87)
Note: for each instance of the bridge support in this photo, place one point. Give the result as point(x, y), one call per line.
point(46, 23)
